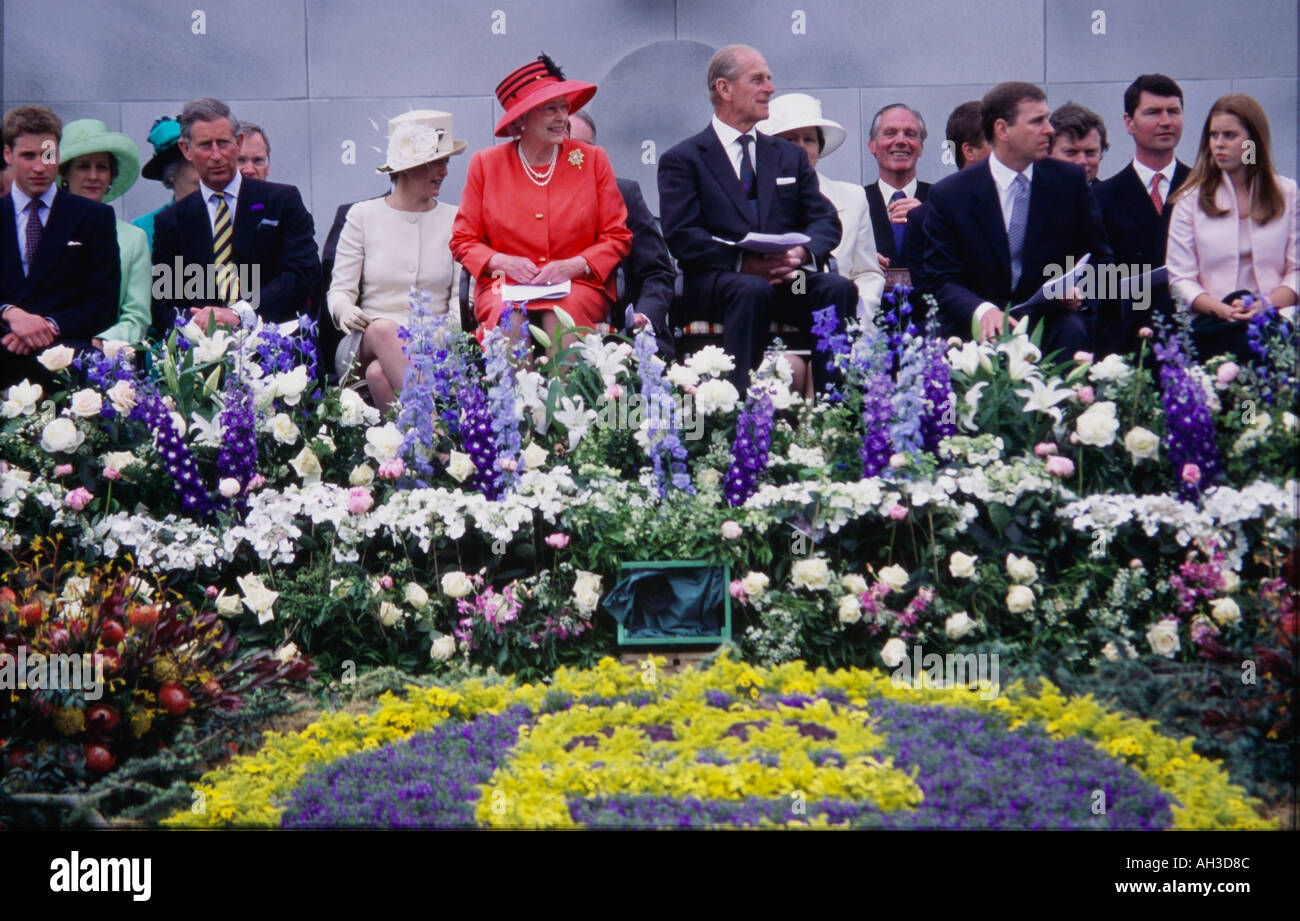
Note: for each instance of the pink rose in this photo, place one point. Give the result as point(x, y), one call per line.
point(112, 474)
point(1045, 448)
point(1060, 466)
point(558, 540)
point(510, 465)
point(392, 469)
point(385, 582)
point(1086, 395)
point(1191, 474)
point(1145, 332)
point(211, 591)
point(1083, 356)
point(1227, 372)
point(731, 530)
point(359, 500)
point(738, 591)
point(63, 470)
point(898, 512)
point(257, 482)
point(78, 499)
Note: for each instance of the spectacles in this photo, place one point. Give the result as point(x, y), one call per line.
point(256, 161)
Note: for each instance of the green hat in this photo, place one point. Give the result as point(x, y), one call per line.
point(165, 137)
point(90, 135)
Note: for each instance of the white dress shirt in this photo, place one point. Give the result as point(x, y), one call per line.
point(231, 192)
point(729, 137)
point(1004, 177)
point(1145, 173)
point(887, 191)
point(21, 201)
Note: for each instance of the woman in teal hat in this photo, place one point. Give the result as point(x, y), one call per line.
point(99, 164)
point(168, 166)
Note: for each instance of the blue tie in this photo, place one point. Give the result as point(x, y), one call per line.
point(1016, 229)
point(898, 229)
point(747, 174)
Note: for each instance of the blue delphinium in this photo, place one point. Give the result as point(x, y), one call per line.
point(936, 391)
point(877, 409)
point(830, 338)
point(909, 397)
point(665, 447)
point(424, 343)
point(1272, 340)
point(238, 457)
point(175, 455)
point(502, 357)
point(896, 321)
point(1189, 423)
point(750, 450)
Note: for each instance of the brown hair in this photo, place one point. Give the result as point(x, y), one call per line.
point(30, 120)
point(65, 167)
point(1075, 122)
point(964, 128)
point(1003, 101)
point(1267, 201)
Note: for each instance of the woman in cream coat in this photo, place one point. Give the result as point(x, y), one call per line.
point(798, 117)
point(389, 245)
point(1233, 230)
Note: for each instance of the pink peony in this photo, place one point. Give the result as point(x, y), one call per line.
point(1060, 466)
point(558, 540)
point(1191, 474)
point(898, 512)
point(1083, 356)
point(1145, 332)
point(392, 469)
point(731, 530)
point(1045, 448)
point(385, 582)
point(112, 474)
point(738, 591)
point(257, 482)
point(508, 464)
point(63, 470)
point(211, 591)
point(1086, 394)
point(1227, 372)
point(359, 500)
point(78, 499)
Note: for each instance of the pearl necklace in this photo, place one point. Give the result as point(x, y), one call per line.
point(537, 179)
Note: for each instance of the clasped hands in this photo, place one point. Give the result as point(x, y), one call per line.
point(777, 268)
point(202, 316)
point(524, 271)
point(28, 333)
point(1237, 310)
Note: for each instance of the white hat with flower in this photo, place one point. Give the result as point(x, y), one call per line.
point(420, 136)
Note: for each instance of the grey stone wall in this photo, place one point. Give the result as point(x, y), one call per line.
point(323, 76)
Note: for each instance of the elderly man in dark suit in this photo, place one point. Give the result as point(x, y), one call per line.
point(896, 139)
point(59, 265)
point(1135, 201)
point(729, 180)
point(251, 241)
point(995, 228)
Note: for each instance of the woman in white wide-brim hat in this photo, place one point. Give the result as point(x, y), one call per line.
point(798, 117)
point(389, 245)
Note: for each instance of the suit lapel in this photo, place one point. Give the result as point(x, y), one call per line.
point(988, 214)
point(716, 159)
point(1039, 212)
point(54, 237)
point(195, 228)
point(880, 228)
point(769, 164)
point(245, 221)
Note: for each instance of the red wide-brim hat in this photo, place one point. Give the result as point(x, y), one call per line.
point(537, 83)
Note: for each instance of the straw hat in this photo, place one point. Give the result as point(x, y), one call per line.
point(799, 110)
point(90, 135)
point(535, 84)
point(420, 136)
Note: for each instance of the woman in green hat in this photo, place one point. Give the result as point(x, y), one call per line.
point(99, 164)
point(168, 166)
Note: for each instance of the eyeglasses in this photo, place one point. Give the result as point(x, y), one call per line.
point(256, 161)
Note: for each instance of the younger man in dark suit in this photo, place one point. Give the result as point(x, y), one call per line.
point(1135, 201)
point(254, 239)
point(896, 139)
point(993, 229)
point(729, 180)
point(59, 265)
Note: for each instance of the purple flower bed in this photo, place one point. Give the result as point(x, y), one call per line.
point(427, 781)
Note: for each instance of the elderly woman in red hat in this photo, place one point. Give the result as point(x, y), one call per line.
point(543, 209)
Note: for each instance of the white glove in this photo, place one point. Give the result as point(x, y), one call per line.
point(351, 318)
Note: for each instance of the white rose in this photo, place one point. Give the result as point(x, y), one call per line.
point(1020, 599)
point(586, 591)
point(894, 576)
point(456, 584)
point(229, 487)
point(119, 460)
point(961, 565)
point(115, 347)
point(1098, 425)
point(383, 442)
point(1290, 421)
point(416, 596)
point(289, 386)
point(1163, 638)
point(894, 652)
point(23, 398)
point(1110, 368)
point(361, 475)
point(122, 396)
point(86, 403)
point(716, 395)
point(443, 648)
point(1142, 444)
point(459, 466)
point(257, 597)
point(534, 456)
point(958, 625)
point(754, 584)
point(355, 411)
point(389, 613)
point(854, 583)
point(1231, 581)
point(850, 609)
point(227, 604)
point(283, 429)
point(1110, 651)
point(56, 358)
point(1225, 611)
point(1021, 569)
point(61, 435)
point(812, 574)
point(307, 466)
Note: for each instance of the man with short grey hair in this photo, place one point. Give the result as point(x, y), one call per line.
point(253, 241)
point(896, 139)
point(254, 159)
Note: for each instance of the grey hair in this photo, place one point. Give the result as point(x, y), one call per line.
point(207, 109)
point(169, 173)
point(586, 117)
point(723, 66)
point(254, 128)
point(875, 122)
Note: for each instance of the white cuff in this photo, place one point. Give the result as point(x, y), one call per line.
point(983, 309)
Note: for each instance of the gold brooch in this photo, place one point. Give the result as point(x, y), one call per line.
point(575, 157)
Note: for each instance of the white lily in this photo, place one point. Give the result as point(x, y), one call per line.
point(972, 401)
point(1043, 397)
point(1021, 354)
point(212, 348)
point(206, 432)
point(608, 359)
point(575, 418)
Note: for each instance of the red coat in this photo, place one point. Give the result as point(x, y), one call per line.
point(578, 213)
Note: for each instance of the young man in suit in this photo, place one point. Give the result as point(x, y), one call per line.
point(995, 228)
point(729, 180)
point(896, 139)
point(1079, 137)
point(250, 240)
point(59, 266)
point(1135, 201)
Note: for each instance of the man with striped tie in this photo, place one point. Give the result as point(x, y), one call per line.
point(237, 248)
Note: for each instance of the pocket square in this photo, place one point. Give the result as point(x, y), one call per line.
point(74, 242)
point(785, 180)
point(267, 222)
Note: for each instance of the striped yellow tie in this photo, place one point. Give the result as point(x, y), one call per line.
point(227, 282)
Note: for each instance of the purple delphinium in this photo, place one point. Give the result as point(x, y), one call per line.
point(503, 400)
point(826, 327)
point(480, 445)
point(877, 409)
point(175, 454)
point(103, 372)
point(238, 456)
point(1189, 423)
point(749, 452)
point(936, 391)
point(424, 343)
point(276, 353)
point(665, 447)
point(896, 321)
point(1269, 334)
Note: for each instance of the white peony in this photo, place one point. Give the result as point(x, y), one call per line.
point(1021, 569)
point(534, 456)
point(443, 648)
point(290, 385)
point(61, 435)
point(1098, 425)
point(682, 376)
point(1225, 611)
point(894, 652)
point(1020, 599)
point(754, 584)
point(1142, 444)
point(122, 396)
point(711, 361)
point(894, 576)
point(383, 442)
point(961, 565)
point(850, 611)
point(456, 584)
point(416, 596)
point(716, 395)
point(86, 403)
point(354, 410)
point(812, 574)
point(1111, 368)
point(958, 625)
point(282, 429)
point(586, 591)
point(119, 460)
point(459, 466)
point(56, 358)
point(1231, 581)
point(23, 398)
point(1163, 638)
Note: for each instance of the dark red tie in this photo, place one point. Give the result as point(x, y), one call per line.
point(34, 229)
point(1155, 193)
